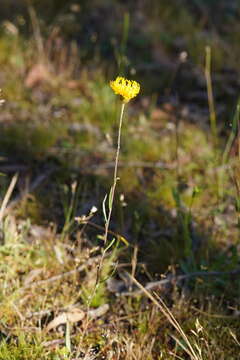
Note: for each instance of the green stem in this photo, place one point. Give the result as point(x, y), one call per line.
point(115, 178)
point(213, 121)
point(111, 194)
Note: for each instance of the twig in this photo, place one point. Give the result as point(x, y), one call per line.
point(135, 164)
point(63, 275)
point(177, 278)
point(139, 164)
point(8, 168)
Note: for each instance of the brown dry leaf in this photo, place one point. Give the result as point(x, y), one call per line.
point(100, 311)
point(72, 84)
point(52, 344)
point(159, 114)
point(73, 315)
point(37, 74)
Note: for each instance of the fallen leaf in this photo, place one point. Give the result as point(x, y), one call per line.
point(100, 311)
point(38, 74)
point(72, 316)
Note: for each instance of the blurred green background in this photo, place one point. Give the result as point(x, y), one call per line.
point(160, 42)
point(57, 58)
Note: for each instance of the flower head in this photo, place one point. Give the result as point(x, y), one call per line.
point(128, 89)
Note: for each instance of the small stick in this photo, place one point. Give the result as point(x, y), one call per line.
point(63, 275)
point(177, 278)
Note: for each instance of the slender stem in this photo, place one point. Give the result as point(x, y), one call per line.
point(118, 145)
point(177, 151)
point(115, 178)
point(111, 195)
point(238, 127)
point(213, 121)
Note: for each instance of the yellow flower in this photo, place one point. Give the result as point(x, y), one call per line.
point(128, 89)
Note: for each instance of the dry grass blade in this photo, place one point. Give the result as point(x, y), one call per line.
point(164, 309)
point(36, 31)
point(7, 196)
point(37, 182)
